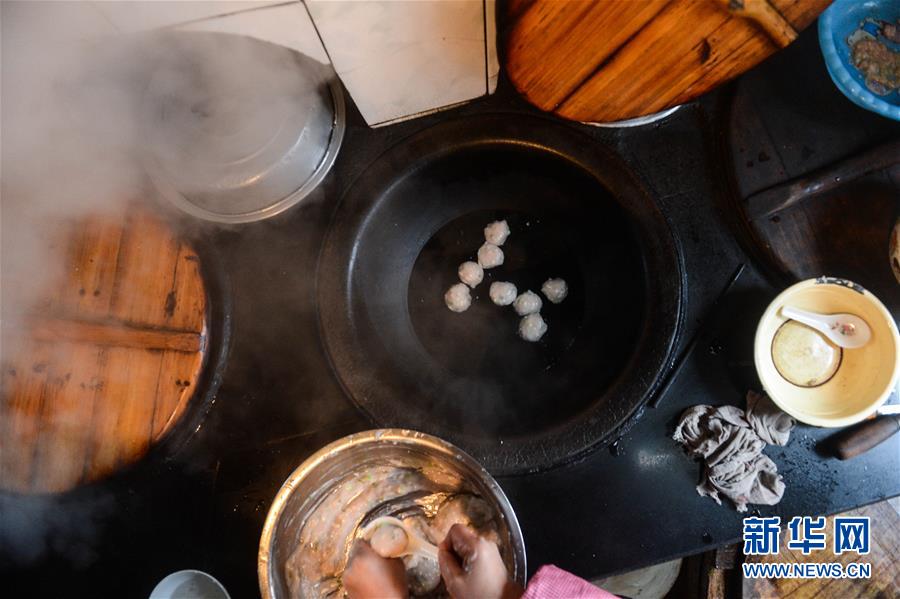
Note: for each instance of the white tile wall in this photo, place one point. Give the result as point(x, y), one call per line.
point(130, 16)
point(398, 59)
point(287, 24)
point(493, 62)
point(403, 58)
point(30, 21)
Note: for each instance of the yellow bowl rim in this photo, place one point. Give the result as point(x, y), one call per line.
point(760, 348)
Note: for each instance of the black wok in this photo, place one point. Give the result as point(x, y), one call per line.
point(575, 212)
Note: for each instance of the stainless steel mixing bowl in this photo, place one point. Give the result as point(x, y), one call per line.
point(312, 480)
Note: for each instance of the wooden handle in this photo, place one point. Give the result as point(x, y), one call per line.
point(865, 436)
point(768, 202)
point(770, 20)
point(55, 329)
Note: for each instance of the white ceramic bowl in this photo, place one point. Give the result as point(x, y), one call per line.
point(189, 584)
point(865, 377)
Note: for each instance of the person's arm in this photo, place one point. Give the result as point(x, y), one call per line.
point(370, 576)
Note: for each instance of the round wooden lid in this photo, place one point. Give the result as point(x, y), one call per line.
point(608, 61)
point(108, 364)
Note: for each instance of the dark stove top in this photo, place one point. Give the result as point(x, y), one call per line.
point(619, 508)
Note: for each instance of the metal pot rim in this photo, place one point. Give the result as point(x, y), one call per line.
point(177, 199)
point(397, 436)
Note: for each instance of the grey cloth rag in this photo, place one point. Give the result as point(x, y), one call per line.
point(731, 441)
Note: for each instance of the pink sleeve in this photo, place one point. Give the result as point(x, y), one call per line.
point(551, 582)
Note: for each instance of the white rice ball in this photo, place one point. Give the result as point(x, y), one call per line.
point(496, 232)
point(389, 540)
point(555, 290)
point(470, 273)
point(489, 255)
point(458, 298)
point(503, 293)
point(532, 327)
point(528, 303)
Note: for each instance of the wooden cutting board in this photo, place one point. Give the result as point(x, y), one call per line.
point(107, 364)
point(608, 60)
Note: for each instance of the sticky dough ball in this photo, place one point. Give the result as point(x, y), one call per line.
point(389, 540)
point(467, 510)
point(458, 298)
point(503, 293)
point(555, 290)
point(532, 327)
point(423, 574)
point(528, 303)
point(489, 255)
point(470, 273)
point(496, 232)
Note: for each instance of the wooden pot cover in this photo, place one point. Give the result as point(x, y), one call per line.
point(107, 362)
point(609, 60)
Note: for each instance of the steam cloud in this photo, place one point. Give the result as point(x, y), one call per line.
point(71, 118)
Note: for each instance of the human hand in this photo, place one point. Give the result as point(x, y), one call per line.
point(472, 568)
point(370, 576)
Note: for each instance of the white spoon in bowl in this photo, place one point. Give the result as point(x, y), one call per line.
point(386, 534)
point(844, 330)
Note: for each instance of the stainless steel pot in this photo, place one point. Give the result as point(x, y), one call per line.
point(312, 480)
point(238, 130)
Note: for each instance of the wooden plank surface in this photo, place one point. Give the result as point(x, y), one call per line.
point(114, 333)
point(607, 60)
point(24, 383)
point(177, 379)
point(145, 272)
point(108, 361)
point(63, 421)
point(776, 135)
point(885, 549)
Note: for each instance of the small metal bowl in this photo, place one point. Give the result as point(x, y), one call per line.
point(638, 121)
point(303, 489)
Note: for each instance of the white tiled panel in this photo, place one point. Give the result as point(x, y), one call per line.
point(30, 20)
point(287, 25)
point(493, 62)
point(129, 16)
point(397, 58)
point(402, 58)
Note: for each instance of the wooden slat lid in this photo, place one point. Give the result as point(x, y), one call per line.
point(108, 364)
point(609, 60)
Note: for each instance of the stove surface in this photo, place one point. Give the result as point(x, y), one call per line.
point(618, 508)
